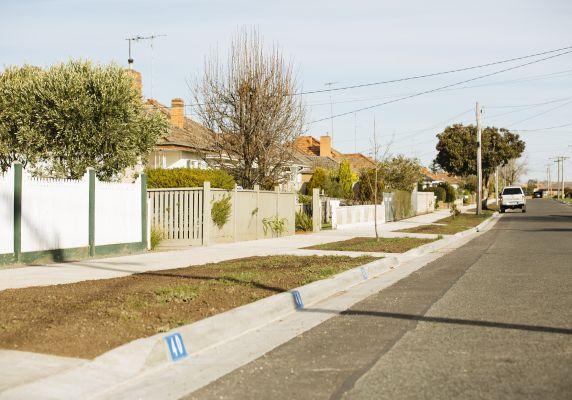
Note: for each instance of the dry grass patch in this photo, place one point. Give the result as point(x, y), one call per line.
point(86, 319)
point(385, 245)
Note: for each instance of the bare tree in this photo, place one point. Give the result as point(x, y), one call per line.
point(251, 107)
point(513, 170)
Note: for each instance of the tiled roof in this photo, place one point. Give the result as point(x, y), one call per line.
point(440, 176)
point(313, 162)
point(192, 135)
point(310, 146)
point(357, 161)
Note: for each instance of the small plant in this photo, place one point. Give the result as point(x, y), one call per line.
point(276, 224)
point(439, 237)
point(220, 211)
point(303, 222)
point(157, 236)
point(455, 212)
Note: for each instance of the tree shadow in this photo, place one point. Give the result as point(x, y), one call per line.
point(445, 320)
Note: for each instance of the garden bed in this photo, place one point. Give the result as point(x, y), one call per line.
point(385, 245)
point(86, 319)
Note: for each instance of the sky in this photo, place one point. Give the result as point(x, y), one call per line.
point(346, 42)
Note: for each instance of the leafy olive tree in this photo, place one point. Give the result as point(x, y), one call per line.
point(61, 120)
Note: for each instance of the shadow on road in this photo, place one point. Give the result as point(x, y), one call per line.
point(444, 320)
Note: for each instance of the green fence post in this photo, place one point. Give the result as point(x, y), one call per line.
point(17, 211)
point(144, 237)
point(91, 236)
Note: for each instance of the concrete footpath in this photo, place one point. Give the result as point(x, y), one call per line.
point(105, 268)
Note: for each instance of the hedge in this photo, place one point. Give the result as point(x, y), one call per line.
point(159, 178)
point(401, 204)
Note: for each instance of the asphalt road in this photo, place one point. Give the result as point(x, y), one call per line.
point(491, 320)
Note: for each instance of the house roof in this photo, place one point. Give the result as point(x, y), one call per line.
point(191, 136)
point(357, 161)
point(440, 176)
point(313, 162)
point(309, 146)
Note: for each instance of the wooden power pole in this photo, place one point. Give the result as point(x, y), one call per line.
point(479, 166)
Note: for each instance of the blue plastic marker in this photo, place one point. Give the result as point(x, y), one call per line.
point(176, 346)
point(297, 299)
point(364, 273)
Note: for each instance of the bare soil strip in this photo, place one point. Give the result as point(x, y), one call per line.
point(451, 225)
point(86, 319)
point(385, 245)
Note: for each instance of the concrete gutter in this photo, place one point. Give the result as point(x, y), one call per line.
point(144, 356)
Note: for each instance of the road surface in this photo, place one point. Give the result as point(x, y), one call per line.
point(492, 319)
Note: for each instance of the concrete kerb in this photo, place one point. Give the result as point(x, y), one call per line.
point(146, 355)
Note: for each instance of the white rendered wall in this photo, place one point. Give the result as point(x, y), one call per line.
point(7, 212)
point(117, 212)
point(352, 216)
point(54, 213)
point(425, 203)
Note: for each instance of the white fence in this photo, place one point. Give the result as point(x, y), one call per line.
point(117, 212)
point(49, 219)
point(352, 216)
point(425, 203)
point(7, 213)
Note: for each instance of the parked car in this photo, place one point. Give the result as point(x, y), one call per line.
point(512, 197)
point(537, 194)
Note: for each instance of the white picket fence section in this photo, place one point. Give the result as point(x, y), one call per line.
point(117, 212)
point(54, 213)
point(425, 203)
point(7, 212)
point(178, 213)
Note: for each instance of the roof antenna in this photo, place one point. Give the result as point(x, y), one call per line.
point(130, 60)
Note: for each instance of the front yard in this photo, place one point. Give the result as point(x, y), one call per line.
point(86, 319)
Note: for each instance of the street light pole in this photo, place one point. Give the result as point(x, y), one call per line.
point(479, 166)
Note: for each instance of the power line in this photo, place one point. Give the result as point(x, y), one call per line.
point(441, 87)
point(544, 129)
point(435, 73)
point(542, 113)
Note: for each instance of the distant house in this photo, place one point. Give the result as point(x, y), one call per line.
point(311, 153)
point(432, 179)
point(185, 144)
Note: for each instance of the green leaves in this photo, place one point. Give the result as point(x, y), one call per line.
point(69, 117)
point(457, 149)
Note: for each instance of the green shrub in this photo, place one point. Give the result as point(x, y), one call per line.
point(303, 222)
point(159, 178)
point(304, 199)
point(276, 224)
point(220, 211)
point(157, 235)
point(450, 194)
point(401, 203)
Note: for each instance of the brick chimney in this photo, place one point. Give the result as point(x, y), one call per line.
point(136, 76)
point(178, 113)
point(325, 146)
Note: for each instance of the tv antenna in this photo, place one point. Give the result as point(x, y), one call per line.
point(137, 39)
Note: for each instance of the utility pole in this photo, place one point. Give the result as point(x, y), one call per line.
point(549, 183)
point(479, 166)
point(329, 85)
point(497, 185)
point(563, 159)
point(559, 185)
